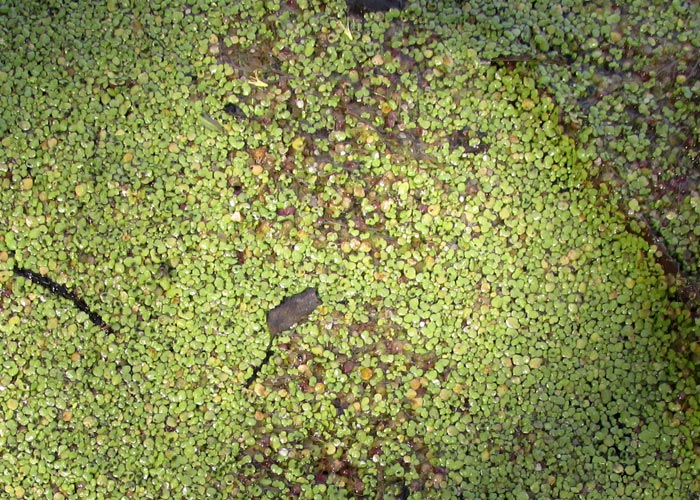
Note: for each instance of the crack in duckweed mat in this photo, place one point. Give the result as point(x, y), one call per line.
point(489, 327)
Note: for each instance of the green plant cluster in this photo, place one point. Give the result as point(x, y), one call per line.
point(490, 327)
point(627, 78)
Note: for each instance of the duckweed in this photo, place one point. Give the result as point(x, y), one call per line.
point(496, 318)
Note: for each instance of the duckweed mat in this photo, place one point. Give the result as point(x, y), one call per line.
point(496, 321)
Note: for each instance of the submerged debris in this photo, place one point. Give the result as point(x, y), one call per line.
point(360, 7)
point(291, 311)
point(61, 291)
point(234, 110)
